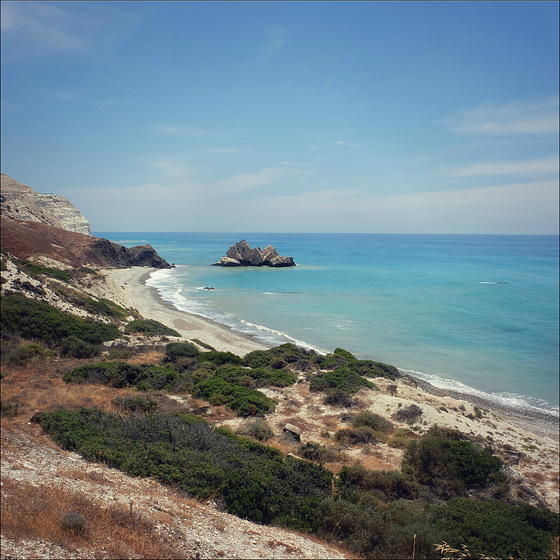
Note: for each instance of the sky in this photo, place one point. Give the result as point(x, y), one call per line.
point(343, 117)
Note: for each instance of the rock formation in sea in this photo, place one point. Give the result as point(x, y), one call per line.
point(241, 254)
point(21, 203)
point(48, 230)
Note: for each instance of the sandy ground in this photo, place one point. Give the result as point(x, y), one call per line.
point(128, 288)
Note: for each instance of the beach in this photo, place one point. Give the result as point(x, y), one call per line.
point(128, 288)
point(530, 434)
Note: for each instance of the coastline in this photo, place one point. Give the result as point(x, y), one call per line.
point(128, 288)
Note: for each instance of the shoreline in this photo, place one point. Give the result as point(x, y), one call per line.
point(128, 287)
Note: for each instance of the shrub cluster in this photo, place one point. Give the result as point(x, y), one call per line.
point(449, 464)
point(252, 480)
point(149, 327)
point(341, 379)
point(377, 514)
point(144, 377)
point(35, 320)
point(368, 368)
point(282, 356)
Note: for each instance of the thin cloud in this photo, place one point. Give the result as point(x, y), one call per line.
point(40, 28)
point(343, 143)
point(225, 150)
point(183, 130)
point(517, 117)
point(546, 165)
point(276, 38)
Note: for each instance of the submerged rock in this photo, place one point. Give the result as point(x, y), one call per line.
point(241, 254)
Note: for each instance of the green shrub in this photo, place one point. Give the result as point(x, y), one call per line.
point(317, 452)
point(369, 368)
point(27, 353)
point(442, 460)
point(252, 480)
point(359, 436)
point(105, 307)
point(149, 327)
point(176, 350)
point(35, 320)
point(245, 401)
point(281, 356)
point(34, 270)
point(408, 414)
point(498, 529)
point(336, 397)
point(342, 379)
point(135, 404)
point(219, 358)
point(345, 354)
point(258, 429)
point(121, 374)
point(74, 347)
point(373, 421)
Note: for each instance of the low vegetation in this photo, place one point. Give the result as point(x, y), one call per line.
point(33, 320)
point(375, 513)
point(448, 489)
point(149, 327)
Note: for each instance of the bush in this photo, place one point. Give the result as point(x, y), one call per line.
point(369, 368)
point(28, 352)
point(373, 421)
point(105, 307)
point(342, 379)
point(35, 320)
point(336, 397)
point(149, 327)
point(245, 401)
point(408, 414)
point(121, 374)
point(450, 465)
point(318, 453)
point(281, 356)
point(258, 429)
point(359, 436)
point(498, 529)
point(135, 404)
point(254, 481)
point(74, 347)
point(176, 350)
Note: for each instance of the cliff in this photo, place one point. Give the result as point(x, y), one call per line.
point(52, 246)
point(20, 202)
point(47, 229)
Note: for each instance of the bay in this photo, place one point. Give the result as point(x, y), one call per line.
point(474, 313)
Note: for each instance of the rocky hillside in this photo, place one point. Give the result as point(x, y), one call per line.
point(48, 230)
point(21, 203)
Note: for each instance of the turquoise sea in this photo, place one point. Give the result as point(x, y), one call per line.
point(473, 313)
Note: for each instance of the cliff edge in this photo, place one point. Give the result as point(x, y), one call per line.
point(20, 202)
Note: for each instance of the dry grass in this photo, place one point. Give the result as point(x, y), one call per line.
point(30, 512)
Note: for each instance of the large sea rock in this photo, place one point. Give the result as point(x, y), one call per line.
point(241, 254)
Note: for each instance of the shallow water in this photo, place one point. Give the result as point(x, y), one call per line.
point(473, 313)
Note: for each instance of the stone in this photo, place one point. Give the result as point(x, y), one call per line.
point(241, 254)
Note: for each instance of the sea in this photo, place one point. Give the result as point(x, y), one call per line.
point(477, 314)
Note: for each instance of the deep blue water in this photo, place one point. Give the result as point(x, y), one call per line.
point(477, 313)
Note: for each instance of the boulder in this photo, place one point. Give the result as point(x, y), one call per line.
point(241, 254)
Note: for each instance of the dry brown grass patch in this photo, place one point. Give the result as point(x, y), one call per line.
point(30, 512)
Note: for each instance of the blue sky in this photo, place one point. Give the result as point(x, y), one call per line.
point(389, 117)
